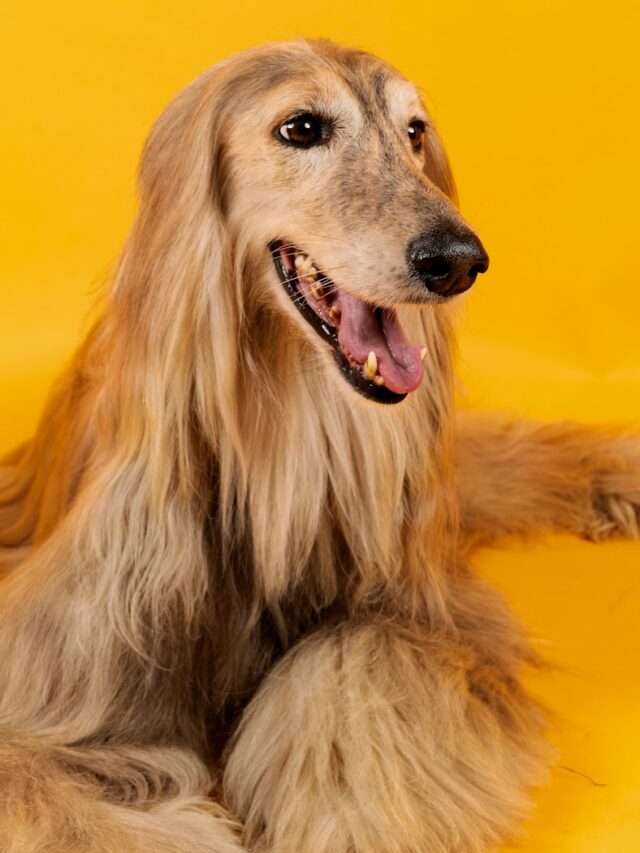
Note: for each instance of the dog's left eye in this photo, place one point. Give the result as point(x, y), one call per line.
point(304, 130)
point(416, 133)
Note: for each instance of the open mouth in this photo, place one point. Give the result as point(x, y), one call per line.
point(368, 342)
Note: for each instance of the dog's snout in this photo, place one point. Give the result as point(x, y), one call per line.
point(447, 262)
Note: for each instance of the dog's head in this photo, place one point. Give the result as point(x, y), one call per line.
point(328, 172)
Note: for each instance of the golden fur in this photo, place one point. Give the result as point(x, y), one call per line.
point(236, 612)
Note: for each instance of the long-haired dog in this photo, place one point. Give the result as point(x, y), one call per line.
point(236, 612)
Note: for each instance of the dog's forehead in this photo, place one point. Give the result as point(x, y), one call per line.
point(374, 96)
point(402, 96)
point(381, 91)
point(374, 83)
point(353, 81)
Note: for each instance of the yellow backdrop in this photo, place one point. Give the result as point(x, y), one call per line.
point(537, 102)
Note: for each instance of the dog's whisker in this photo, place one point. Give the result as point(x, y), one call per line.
point(301, 298)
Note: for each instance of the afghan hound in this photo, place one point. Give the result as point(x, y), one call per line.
point(236, 612)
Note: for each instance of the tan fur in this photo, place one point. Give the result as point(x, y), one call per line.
point(229, 582)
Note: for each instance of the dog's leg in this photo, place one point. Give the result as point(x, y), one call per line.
point(383, 738)
point(516, 478)
point(62, 800)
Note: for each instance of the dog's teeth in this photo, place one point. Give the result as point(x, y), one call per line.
point(366, 372)
point(370, 367)
point(317, 289)
point(305, 267)
point(423, 353)
point(379, 380)
point(333, 313)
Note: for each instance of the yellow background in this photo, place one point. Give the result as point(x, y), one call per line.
point(538, 105)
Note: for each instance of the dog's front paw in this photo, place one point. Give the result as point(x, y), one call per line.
point(616, 495)
point(614, 516)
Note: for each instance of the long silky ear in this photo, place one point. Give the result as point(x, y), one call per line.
point(436, 166)
point(136, 351)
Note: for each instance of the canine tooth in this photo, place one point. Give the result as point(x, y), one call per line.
point(379, 380)
point(423, 353)
point(305, 267)
point(333, 313)
point(370, 366)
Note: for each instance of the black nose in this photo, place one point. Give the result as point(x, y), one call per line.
point(447, 262)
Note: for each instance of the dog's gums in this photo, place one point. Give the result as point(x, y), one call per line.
point(368, 342)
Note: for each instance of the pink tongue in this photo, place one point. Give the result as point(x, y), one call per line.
point(360, 332)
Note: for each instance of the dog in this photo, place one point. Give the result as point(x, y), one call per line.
point(236, 609)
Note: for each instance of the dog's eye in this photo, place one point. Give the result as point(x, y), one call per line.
point(416, 132)
point(304, 130)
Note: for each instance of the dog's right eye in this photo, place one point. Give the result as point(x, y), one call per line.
point(304, 130)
